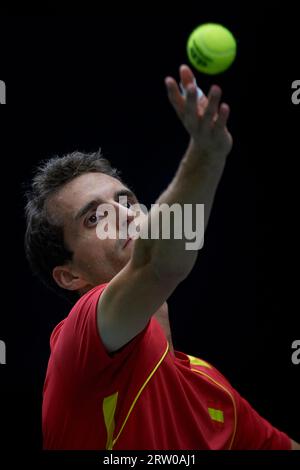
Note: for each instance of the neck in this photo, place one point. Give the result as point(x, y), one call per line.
point(162, 316)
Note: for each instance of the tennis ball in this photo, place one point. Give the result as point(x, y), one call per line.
point(211, 48)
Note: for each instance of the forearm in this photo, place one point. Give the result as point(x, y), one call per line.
point(195, 182)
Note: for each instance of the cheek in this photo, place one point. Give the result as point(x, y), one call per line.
point(99, 259)
point(94, 252)
point(88, 252)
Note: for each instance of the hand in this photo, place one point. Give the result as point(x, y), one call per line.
point(204, 118)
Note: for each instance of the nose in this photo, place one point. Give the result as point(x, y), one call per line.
point(124, 217)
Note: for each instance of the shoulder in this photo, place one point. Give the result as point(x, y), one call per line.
point(209, 371)
point(79, 314)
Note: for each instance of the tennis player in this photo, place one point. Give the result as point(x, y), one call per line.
point(114, 380)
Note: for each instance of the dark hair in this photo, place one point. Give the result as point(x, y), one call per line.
point(44, 238)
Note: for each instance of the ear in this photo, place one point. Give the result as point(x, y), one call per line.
point(66, 278)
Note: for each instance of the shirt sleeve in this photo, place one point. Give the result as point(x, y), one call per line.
point(76, 346)
point(255, 432)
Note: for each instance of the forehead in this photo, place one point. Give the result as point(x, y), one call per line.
point(84, 188)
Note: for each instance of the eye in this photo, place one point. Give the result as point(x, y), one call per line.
point(92, 220)
point(128, 204)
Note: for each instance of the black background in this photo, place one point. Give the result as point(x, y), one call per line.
point(83, 82)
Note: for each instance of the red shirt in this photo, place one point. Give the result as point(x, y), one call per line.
point(141, 397)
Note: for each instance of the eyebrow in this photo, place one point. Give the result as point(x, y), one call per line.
point(95, 202)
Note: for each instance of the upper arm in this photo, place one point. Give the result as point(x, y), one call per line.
point(255, 432)
point(295, 445)
point(129, 301)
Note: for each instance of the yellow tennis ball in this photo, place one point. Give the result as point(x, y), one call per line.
point(211, 48)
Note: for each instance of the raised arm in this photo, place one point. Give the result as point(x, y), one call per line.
point(157, 266)
point(295, 445)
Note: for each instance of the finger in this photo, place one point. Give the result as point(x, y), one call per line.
point(211, 110)
point(202, 104)
point(224, 112)
point(191, 101)
point(186, 75)
point(174, 95)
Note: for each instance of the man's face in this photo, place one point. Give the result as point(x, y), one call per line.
point(76, 203)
